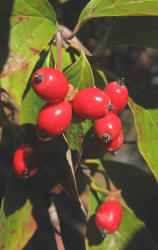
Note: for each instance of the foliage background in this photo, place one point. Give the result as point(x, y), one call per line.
point(125, 57)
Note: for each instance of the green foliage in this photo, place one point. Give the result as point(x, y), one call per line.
point(32, 45)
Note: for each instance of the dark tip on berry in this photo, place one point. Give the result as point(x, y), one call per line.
point(121, 81)
point(106, 138)
point(111, 107)
point(43, 135)
point(26, 173)
point(114, 153)
point(103, 232)
point(38, 78)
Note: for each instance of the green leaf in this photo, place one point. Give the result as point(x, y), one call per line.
point(66, 58)
point(103, 8)
point(15, 83)
point(30, 107)
point(80, 76)
point(146, 123)
point(75, 134)
point(139, 190)
point(132, 232)
point(80, 73)
point(32, 27)
point(136, 31)
point(38, 8)
point(16, 222)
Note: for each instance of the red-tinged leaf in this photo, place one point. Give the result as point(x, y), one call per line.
point(32, 27)
point(16, 82)
point(16, 222)
point(146, 122)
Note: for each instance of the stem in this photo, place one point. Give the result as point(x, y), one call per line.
point(74, 32)
point(59, 48)
point(95, 187)
point(98, 189)
point(55, 222)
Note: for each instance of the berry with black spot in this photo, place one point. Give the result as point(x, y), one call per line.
point(25, 161)
point(50, 84)
point(108, 127)
point(108, 217)
point(118, 94)
point(112, 146)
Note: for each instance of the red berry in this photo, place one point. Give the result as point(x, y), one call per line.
point(108, 127)
point(108, 217)
point(91, 103)
point(25, 161)
point(114, 145)
point(55, 118)
point(50, 84)
point(118, 94)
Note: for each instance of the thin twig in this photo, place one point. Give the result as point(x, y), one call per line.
point(55, 222)
point(59, 52)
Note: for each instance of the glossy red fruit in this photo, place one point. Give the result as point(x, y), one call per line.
point(91, 103)
point(114, 145)
point(50, 84)
point(108, 217)
point(118, 94)
point(25, 161)
point(55, 118)
point(108, 127)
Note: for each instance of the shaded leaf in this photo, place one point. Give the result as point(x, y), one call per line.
point(103, 8)
point(16, 221)
point(146, 123)
point(136, 31)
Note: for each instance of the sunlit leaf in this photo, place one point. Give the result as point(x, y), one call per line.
point(32, 27)
point(103, 8)
point(146, 123)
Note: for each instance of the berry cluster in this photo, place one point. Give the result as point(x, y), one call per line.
point(102, 106)
point(53, 119)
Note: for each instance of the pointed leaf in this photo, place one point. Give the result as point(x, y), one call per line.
point(146, 122)
point(103, 8)
point(80, 73)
